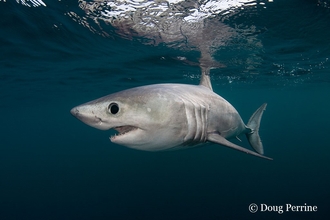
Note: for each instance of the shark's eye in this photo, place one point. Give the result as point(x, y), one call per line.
point(113, 108)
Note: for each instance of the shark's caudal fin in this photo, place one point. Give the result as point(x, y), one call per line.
point(254, 124)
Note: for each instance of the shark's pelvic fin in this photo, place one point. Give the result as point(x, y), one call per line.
point(254, 124)
point(217, 138)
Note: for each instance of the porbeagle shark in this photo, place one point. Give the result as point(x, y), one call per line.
point(171, 116)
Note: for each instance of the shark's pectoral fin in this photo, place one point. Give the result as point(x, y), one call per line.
point(217, 138)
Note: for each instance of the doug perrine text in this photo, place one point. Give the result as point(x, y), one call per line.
point(280, 209)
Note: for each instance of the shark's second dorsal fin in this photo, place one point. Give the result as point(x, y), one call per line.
point(205, 78)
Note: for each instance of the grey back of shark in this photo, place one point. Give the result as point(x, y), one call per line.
point(171, 116)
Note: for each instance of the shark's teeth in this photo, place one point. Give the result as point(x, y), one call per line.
point(122, 130)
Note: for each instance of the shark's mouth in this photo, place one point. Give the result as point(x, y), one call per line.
point(122, 131)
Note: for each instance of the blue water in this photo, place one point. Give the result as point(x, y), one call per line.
point(52, 166)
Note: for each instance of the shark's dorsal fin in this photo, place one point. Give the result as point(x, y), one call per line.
point(205, 78)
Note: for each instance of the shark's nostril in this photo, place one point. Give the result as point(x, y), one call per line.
point(99, 119)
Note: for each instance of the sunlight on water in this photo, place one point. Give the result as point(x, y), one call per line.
point(30, 3)
point(219, 30)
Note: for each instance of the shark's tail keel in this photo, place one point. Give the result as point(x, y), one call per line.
point(254, 124)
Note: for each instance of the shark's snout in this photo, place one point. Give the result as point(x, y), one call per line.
point(74, 112)
point(77, 114)
point(86, 118)
point(86, 115)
